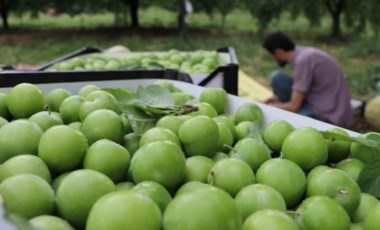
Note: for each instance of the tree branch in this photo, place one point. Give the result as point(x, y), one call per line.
point(341, 5)
point(329, 6)
point(7, 4)
point(337, 8)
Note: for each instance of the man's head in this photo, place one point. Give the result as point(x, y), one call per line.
point(279, 46)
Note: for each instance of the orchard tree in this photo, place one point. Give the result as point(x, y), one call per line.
point(134, 6)
point(336, 9)
point(265, 11)
point(203, 5)
point(20, 7)
point(353, 13)
point(361, 13)
point(182, 12)
point(119, 8)
point(373, 16)
point(225, 7)
point(79, 7)
point(33, 8)
point(315, 10)
point(74, 7)
point(5, 7)
point(178, 6)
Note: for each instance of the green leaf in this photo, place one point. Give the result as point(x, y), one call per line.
point(122, 95)
point(149, 104)
point(373, 136)
point(155, 96)
point(255, 133)
point(372, 141)
point(139, 120)
point(369, 178)
point(153, 111)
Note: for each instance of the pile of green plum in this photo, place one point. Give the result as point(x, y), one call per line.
point(157, 157)
point(198, 62)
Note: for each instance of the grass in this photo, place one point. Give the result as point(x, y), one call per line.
point(35, 41)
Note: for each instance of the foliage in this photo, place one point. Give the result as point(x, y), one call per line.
point(205, 6)
point(225, 7)
point(20, 7)
point(373, 142)
point(265, 11)
point(74, 7)
point(33, 7)
point(147, 105)
point(313, 10)
point(373, 15)
point(369, 178)
point(358, 54)
point(355, 14)
point(167, 4)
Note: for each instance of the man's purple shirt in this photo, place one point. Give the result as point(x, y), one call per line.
point(321, 78)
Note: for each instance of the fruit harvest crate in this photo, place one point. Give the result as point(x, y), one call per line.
point(12, 78)
point(223, 76)
point(270, 113)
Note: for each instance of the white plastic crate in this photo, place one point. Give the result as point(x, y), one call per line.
point(270, 113)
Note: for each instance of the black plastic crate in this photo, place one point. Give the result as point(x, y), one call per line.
point(225, 76)
point(228, 73)
point(12, 78)
point(79, 52)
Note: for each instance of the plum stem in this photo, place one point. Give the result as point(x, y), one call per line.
point(189, 109)
point(212, 173)
point(47, 108)
point(344, 192)
point(292, 212)
point(229, 147)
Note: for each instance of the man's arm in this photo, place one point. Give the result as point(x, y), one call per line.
point(270, 100)
point(295, 103)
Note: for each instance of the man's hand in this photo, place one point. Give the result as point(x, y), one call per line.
point(294, 104)
point(271, 100)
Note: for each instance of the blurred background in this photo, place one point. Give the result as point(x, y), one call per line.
point(35, 32)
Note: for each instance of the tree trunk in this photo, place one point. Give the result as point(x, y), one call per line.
point(134, 8)
point(4, 14)
point(116, 18)
point(125, 16)
point(336, 30)
point(361, 25)
point(182, 17)
point(223, 21)
point(336, 11)
point(376, 33)
point(116, 13)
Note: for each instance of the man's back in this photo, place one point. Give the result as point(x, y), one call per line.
point(320, 77)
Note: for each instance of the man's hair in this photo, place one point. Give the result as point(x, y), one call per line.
point(278, 40)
